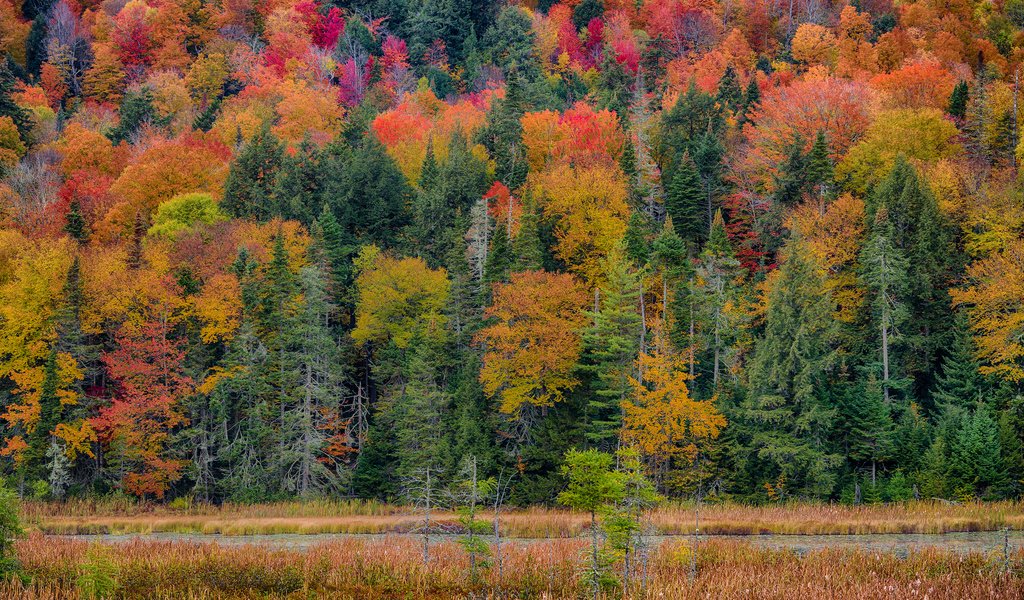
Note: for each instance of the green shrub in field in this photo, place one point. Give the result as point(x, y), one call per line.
point(10, 528)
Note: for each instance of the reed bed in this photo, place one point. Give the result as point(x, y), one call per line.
point(393, 568)
point(356, 517)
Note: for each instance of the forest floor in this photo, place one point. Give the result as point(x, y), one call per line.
point(394, 567)
point(354, 517)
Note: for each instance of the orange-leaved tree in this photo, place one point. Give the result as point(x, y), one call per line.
point(534, 342)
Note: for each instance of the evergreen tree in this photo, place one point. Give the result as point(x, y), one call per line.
point(820, 171)
point(960, 384)
point(418, 414)
point(503, 135)
point(974, 467)
point(366, 191)
point(297, 187)
point(751, 99)
point(136, 110)
point(75, 224)
point(958, 100)
point(684, 201)
point(610, 345)
point(730, 94)
point(33, 463)
point(35, 45)
point(786, 413)
point(9, 108)
point(869, 429)
point(884, 275)
point(248, 191)
point(527, 247)
point(792, 177)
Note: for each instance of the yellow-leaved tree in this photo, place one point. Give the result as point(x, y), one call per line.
point(534, 342)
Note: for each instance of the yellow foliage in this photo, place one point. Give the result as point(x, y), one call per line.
point(398, 299)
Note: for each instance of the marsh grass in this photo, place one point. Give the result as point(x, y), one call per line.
point(393, 568)
point(359, 517)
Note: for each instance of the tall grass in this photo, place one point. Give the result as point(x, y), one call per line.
point(393, 568)
point(352, 516)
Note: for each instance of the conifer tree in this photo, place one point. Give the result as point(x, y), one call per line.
point(786, 412)
point(958, 100)
point(684, 201)
point(610, 345)
point(249, 188)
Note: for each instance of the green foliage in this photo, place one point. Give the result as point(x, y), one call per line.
point(251, 179)
point(182, 213)
point(10, 528)
point(97, 578)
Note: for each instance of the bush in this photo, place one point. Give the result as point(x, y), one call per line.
point(10, 529)
point(98, 574)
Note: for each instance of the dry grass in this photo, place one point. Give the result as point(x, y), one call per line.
point(355, 517)
point(393, 568)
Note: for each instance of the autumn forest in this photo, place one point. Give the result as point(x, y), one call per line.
point(255, 251)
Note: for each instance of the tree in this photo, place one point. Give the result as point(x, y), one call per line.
point(958, 100)
point(786, 411)
point(870, 429)
point(610, 345)
point(884, 274)
point(250, 183)
point(684, 201)
point(960, 384)
point(10, 528)
point(533, 343)
point(592, 487)
point(137, 425)
point(661, 419)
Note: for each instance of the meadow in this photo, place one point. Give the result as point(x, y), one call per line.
point(552, 569)
point(88, 516)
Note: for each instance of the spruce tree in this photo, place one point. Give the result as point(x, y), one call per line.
point(870, 429)
point(297, 187)
point(787, 414)
point(610, 346)
point(958, 100)
point(527, 247)
point(960, 383)
point(503, 135)
point(33, 463)
point(684, 201)
point(8, 107)
point(730, 94)
point(249, 188)
point(75, 224)
point(820, 171)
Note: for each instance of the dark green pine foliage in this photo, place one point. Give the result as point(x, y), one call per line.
point(751, 99)
point(33, 463)
point(35, 44)
point(923, 235)
point(503, 135)
point(336, 254)
point(208, 116)
point(787, 415)
point(136, 110)
point(446, 205)
point(510, 44)
point(640, 233)
point(9, 108)
point(445, 20)
point(792, 177)
point(730, 94)
point(527, 248)
point(249, 189)
point(419, 412)
point(615, 87)
point(684, 201)
point(75, 224)
point(958, 100)
point(884, 275)
point(610, 346)
point(297, 189)
point(869, 428)
point(429, 171)
point(693, 115)
point(707, 152)
point(500, 257)
point(585, 11)
point(820, 170)
point(974, 467)
point(960, 384)
point(366, 191)
point(314, 381)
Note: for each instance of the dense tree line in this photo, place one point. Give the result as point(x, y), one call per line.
point(262, 250)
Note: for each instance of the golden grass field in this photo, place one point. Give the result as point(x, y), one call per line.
point(82, 516)
point(392, 568)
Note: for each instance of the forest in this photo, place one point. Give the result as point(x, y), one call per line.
point(256, 251)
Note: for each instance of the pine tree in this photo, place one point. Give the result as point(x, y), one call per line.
point(716, 293)
point(730, 94)
point(792, 178)
point(297, 189)
point(9, 108)
point(503, 135)
point(610, 346)
point(136, 110)
point(786, 412)
point(958, 100)
point(418, 414)
point(248, 191)
point(527, 248)
point(884, 275)
point(751, 99)
point(75, 225)
point(33, 463)
point(820, 171)
point(960, 384)
point(870, 429)
point(684, 201)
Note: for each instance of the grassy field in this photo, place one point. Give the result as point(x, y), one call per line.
point(393, 568)
point(78, 516)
